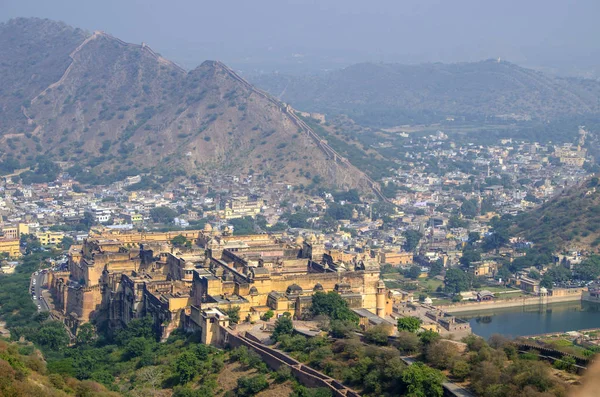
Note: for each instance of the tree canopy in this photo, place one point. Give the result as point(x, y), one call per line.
point(409, 324)
point(163, 214)
point(181, 241)
point(332, 305)
point(589, 269)
point(412, 238)
point(283, 326)
point(456, 281)
point(423, 381)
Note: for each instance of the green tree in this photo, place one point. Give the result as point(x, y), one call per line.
point(88, 220)
point(441, 354)
point(473, 237)
point(343, 329)
point(589, 269)
point(469, 256)
point(379, 334)
point(332, 305)
point(469, 208)
point(136, 347)
point(52, 335)
point(234, 314)
point(186, 366)
point(566, 363)
point(411, 240)
point(495, 240)
point(414, 272)
point(137, 328)
point(504, 273)
point(436, 268)
point(338, 211)
point(301, 391)
point(456, 281)
point(428, 337)
point(456, 222)
point(163, 214)
point(242, 226)
point(408, 342)
point(250, 386)
point(409, 324)
point(268, 315)
point(85, 334)
point(283, 326)
point(181, 241)
point(422, 381)
point(555, 274)
point(66, 242)
point(298, 219)
point(460, 369)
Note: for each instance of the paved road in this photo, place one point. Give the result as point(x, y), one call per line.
point(37, 291)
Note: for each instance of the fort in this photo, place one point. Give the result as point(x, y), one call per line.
point(115, 276)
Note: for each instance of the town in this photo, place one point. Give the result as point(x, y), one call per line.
point(169, 243)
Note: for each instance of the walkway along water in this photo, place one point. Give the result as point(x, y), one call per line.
point(507, 303)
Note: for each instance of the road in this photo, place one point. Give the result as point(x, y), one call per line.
point(37, 291)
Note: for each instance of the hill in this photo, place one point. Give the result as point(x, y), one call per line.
point(105, 109)
point(394, 94)
point(570, 219)
point(23, 373)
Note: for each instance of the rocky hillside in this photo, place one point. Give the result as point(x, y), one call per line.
point(105, 108)
point(394, 94)
point(569, 220)
point(23, 373)
point(34, 53)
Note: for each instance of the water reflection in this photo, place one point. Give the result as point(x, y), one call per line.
point(538, 319)
point(484, 319)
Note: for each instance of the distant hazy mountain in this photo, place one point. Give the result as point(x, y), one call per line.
point(103, 106)
point(394, 94)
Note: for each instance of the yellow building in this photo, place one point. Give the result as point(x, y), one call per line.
point(395, 258)
point(14, 232)
point(50, 238)
point(10, 247)
point(483, 269)
point(239, 207)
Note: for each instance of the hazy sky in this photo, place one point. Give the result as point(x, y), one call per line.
point(306, 35)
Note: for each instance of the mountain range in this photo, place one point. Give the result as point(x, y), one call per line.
point(385, 95)
point(104, 109)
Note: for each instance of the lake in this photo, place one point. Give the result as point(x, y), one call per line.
point(531, 320)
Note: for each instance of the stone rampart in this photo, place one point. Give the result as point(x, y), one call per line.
point(309, 377)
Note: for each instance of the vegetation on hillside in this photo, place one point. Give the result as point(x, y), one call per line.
point(572, 218)
point(394, 94)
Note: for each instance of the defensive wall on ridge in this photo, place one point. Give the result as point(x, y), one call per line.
point(275, 359)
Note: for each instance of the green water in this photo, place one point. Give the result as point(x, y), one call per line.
point(531, 320)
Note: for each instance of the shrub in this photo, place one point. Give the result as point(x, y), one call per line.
point(567, 363)
point(460, 369)
point(249, 386)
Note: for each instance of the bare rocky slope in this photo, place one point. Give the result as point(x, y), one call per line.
point(105, 107)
